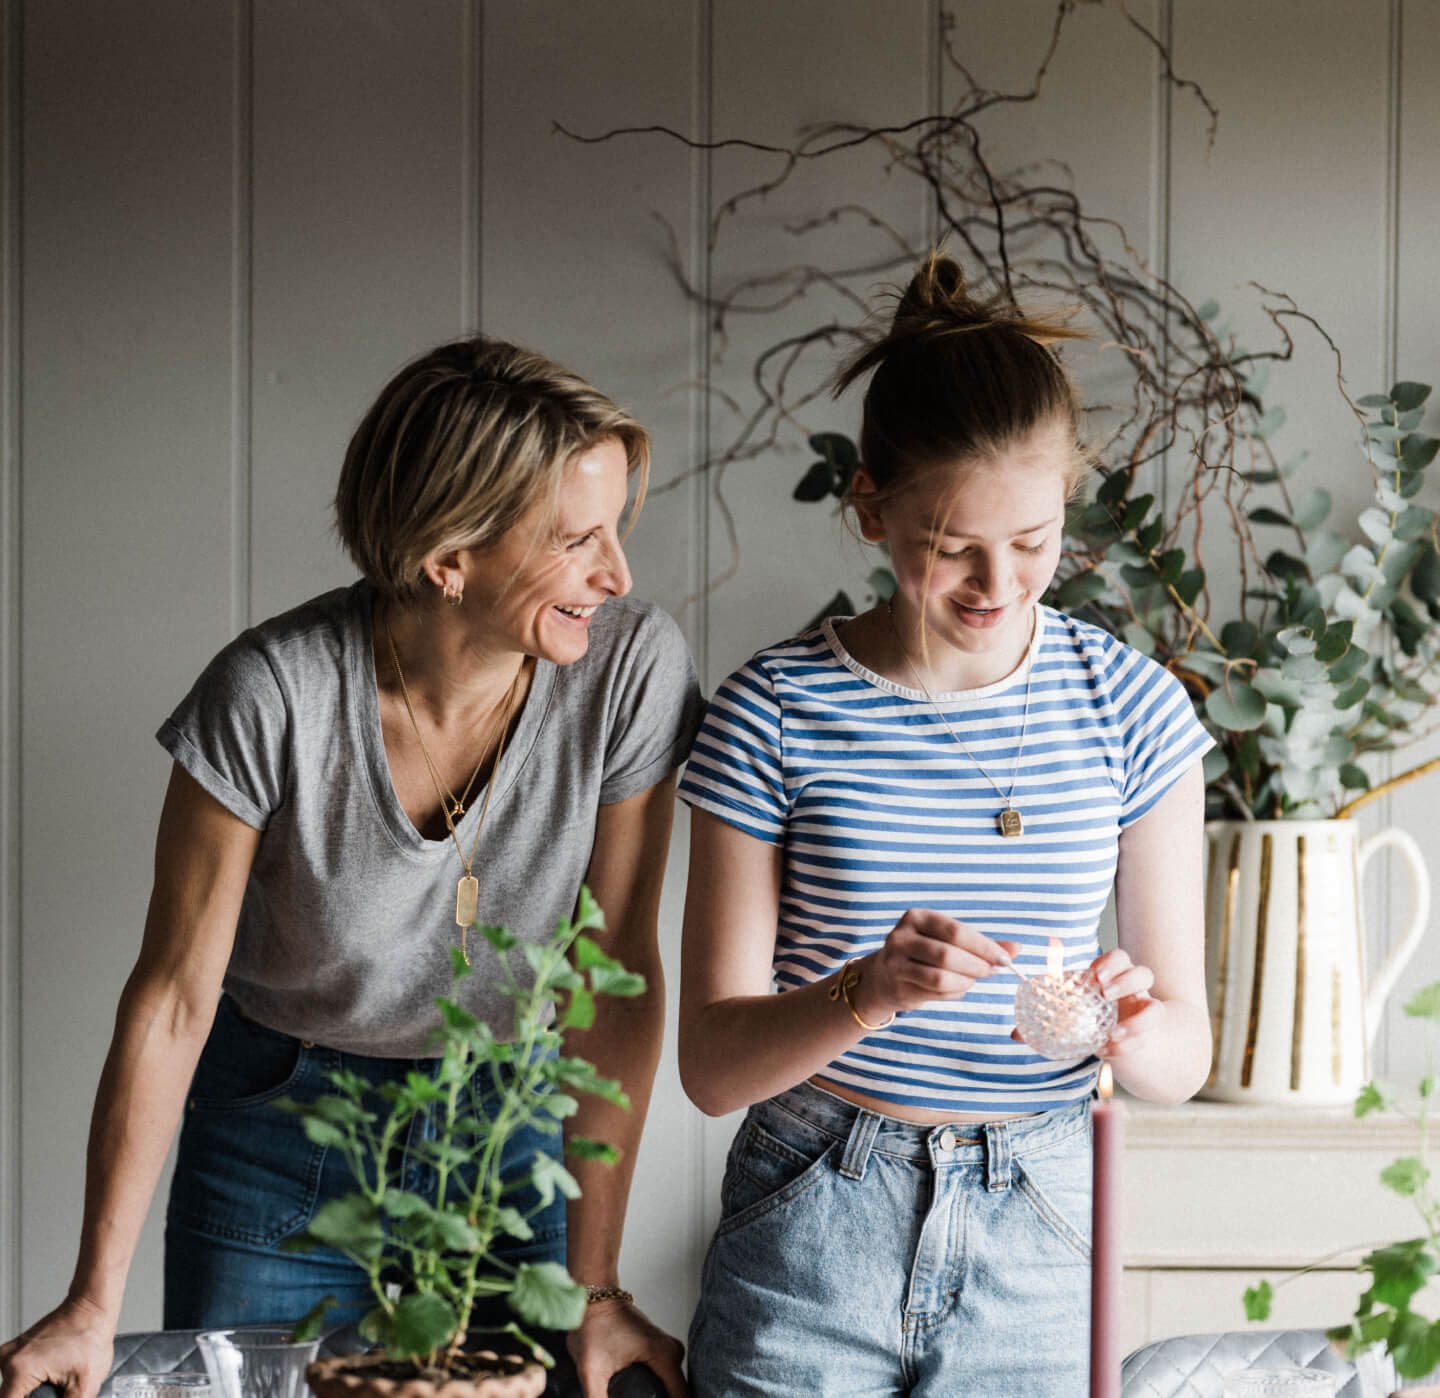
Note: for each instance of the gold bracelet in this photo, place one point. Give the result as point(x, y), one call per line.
point(846, 981)
point(608, 1293)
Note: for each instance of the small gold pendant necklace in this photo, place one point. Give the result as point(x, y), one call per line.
point(1008, 821)
point(467, 890)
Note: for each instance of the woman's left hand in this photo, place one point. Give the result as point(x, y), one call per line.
point(615, 1334)
point(1127, 987)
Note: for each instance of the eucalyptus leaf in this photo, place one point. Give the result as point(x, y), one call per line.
point(1264, 514)
point(1419, 451)
point(1425, 575)
point(1236, 706)
point(1268, 423)
point(1407, 395)
point(1376, 525)
point(1239, 637)
point(1139, 636)
point(1352, 693)
point(1373, 400)
point(1076, 591)
point(1312, 509)
point(1413, 521)
point(1190, 584)
point(1409, 421)
point(817, 483)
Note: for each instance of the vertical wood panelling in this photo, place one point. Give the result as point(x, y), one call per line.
point(359, 157)
point(242, 278)
point(10, 745)
point(574, 263)
point(126, 524)
point(1417, 356)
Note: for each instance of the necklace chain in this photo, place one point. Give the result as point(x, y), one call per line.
point(467, 891)
point(1010, 822)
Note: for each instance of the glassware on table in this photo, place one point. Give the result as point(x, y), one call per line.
point(172, 1385)
point(1280, 1383)
point(256, 1363)
point(1063, 1014)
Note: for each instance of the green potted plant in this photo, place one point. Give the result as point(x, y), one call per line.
point(1397, 1273)
point(430, 1260)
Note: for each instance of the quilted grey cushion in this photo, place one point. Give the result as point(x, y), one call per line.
point(1195, 1366)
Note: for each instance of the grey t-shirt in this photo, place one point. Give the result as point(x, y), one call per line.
point(349, 911)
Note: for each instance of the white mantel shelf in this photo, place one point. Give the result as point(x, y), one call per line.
point(1218, 1195)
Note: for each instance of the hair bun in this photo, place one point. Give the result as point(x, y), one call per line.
point(937, 299)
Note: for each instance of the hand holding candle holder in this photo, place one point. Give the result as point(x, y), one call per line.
point(1063, 1014)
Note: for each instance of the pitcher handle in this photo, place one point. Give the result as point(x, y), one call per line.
point(1384, 981)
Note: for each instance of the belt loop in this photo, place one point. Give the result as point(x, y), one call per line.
point(857, 1148)
point(997, 1156)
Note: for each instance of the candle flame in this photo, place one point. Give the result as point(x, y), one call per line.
point(1054, 957)
point(1106, 1086)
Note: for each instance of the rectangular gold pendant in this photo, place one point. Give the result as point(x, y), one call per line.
point(1010, 824)
point(467, 900)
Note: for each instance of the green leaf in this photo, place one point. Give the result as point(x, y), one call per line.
point(1151, 534)
point(309, 1325)
point(1372, 1098)
point(1138, 577)
point(1257, 1301)
point(1137, 635)
point(1425, 575)
point(836, 447)
point(324, 1133)
point(579, 1010)
point(1353, 693)
point(583, 1148)
point(1237, 707)
point(548, 1176)
point(401, 1203)
point(350, 1223)
point(1113, 488)
point(1352, 776)
point(1425, 1004)
point(456, 1017)
point(561, 1105)
point(1189, 584)
point(816, 484)
point(607, 981)
point(1135, 512)
point(1263, 514)
point(882, 583)
point(587, 954)
point(1419, 451)
point(1406, 395)
point(1373, 400)
point(1239, 637)
point(1312, 509)
point(422, 1322)
point(455, 1233)
point(545, 1295)
point(1209, 310)
point(1414, 1345)
point(839, 605)
point(499, 938)
point(1172, 564)
point(588, 913)
point(1076, 591)
point(1413, 521)
point(1405, 1176)
point(1410, 628)
point(1335, 642)
point(513, 1223)
point(1349, 665)
point(1269, 423)
point(1376, 525)
point(1399, 1271)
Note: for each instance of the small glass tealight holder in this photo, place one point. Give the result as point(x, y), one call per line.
point(1280, 1383)
point(173, 1385)
point(1064, 1014)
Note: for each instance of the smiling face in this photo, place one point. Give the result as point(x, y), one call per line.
point(973, 548)
point(536, 589)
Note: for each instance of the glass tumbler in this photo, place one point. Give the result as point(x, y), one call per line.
point(173, 1385)
point(256, 1363)
point(1280, 1383)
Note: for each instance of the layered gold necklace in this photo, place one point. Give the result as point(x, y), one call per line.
point(467, 890)
point(1009, 821)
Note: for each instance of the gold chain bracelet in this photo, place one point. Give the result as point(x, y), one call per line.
point(608, 1293)
point(846, 981)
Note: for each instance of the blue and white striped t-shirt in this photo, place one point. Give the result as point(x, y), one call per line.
point(879, 810)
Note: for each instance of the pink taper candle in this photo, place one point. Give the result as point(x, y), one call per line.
point(1105, 1258)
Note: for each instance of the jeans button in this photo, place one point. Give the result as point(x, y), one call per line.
point(947, 1140)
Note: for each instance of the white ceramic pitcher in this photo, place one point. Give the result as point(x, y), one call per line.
point(1293, 1010)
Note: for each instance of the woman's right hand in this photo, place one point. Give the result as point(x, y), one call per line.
point(927, 956)
point(72, 1348)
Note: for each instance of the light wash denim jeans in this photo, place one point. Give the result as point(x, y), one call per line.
point(862, 1256)
point(247, 1177)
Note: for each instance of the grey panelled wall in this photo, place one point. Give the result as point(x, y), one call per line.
point(239, 217)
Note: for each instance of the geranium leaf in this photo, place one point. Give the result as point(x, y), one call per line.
point(546, 1296)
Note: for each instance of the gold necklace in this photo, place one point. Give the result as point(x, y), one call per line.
point(467, 890)
point(1009, 821)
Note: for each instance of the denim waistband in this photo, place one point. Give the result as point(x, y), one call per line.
point(954, 1143)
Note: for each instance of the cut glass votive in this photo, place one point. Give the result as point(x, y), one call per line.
point(173, 1385)
point(1280, 1383)
point(1064, 1014)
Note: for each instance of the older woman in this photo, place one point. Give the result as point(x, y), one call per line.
point(475, 727)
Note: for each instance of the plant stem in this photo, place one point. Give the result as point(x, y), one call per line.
point(1376, 792)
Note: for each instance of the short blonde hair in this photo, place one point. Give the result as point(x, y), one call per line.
point(457, 448)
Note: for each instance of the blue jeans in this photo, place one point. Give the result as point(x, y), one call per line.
point(247, 1177)
point(861, 1255)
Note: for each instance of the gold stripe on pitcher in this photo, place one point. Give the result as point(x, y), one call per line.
point(1335, 1059)
point(1222, 966)
point(1262, 917)
point(1297, 1033)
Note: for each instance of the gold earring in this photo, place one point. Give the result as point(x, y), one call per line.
point(453, 593)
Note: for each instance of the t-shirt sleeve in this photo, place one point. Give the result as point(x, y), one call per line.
point(229, 733)
point(656, 708)
point(1161, 735)
point(736, 768)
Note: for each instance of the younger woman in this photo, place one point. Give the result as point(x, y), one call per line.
point(889, 809)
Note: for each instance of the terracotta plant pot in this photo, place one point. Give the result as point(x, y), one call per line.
point(378, 1376)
